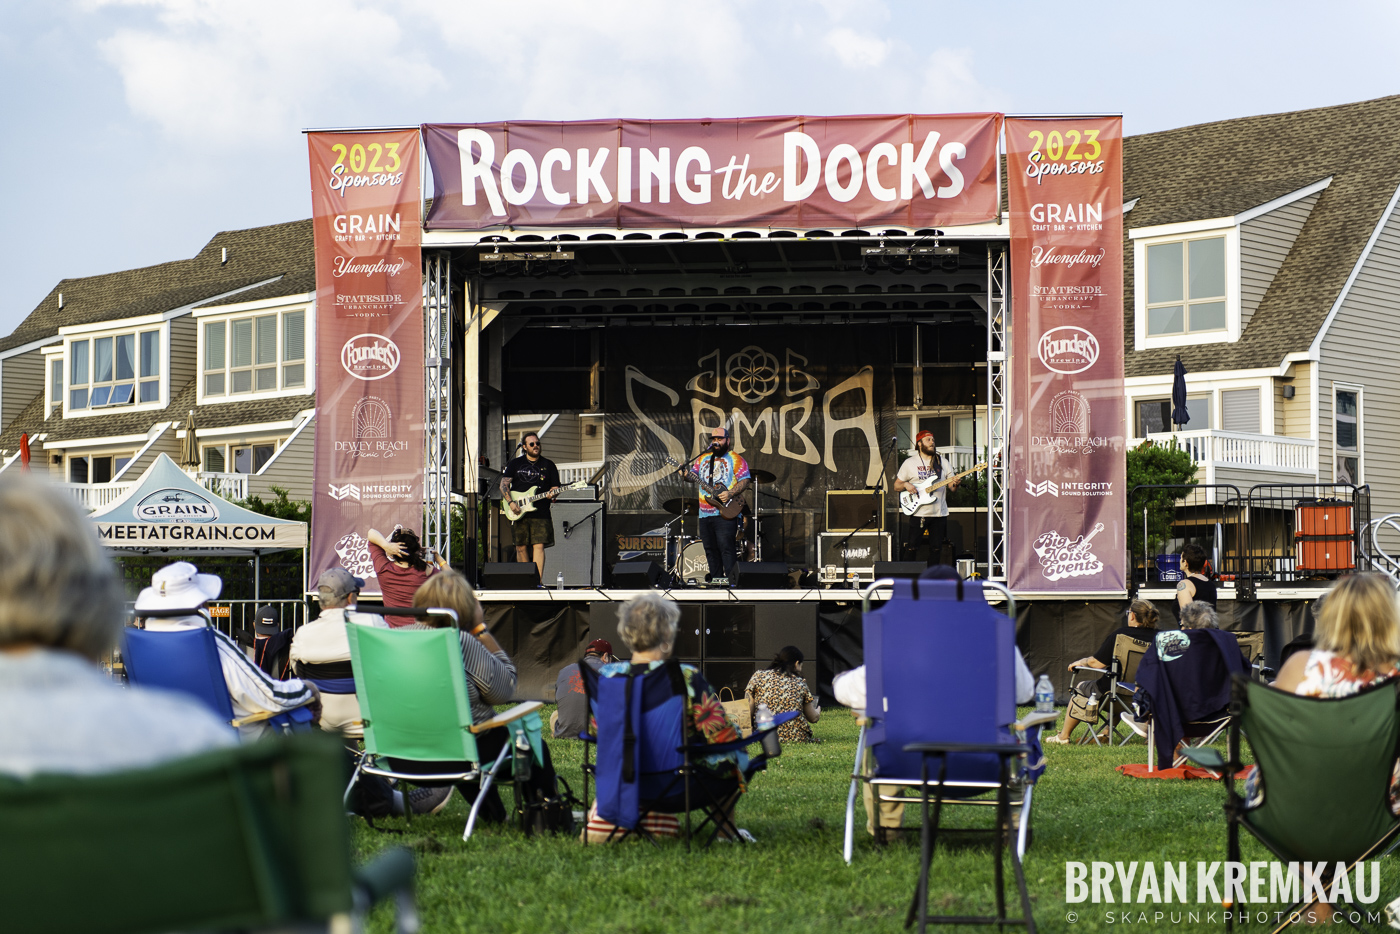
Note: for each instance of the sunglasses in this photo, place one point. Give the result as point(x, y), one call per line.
point(532, 444)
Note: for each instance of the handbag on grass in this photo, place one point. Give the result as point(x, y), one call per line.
point(737, 710)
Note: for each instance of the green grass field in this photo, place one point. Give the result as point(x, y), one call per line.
point(795, 880)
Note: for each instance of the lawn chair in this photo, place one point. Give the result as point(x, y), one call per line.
point(940, 693)
point(1121, 673)
point(1325, 767)
point(188, 661)
point(646, 762)
point(413, 705)
point(1184, 690)
point(1252, 650)
point(249, 837)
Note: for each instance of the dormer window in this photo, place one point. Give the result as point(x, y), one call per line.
point(249, 354)
point(114, 370)
point(1186, 286)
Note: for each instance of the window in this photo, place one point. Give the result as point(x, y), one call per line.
point(1155, 415)
point(55, 382)
point(103, 371)
point(1239, 410)
point(255, 354)
point(253, 458)
point(214, 459)
point(1346, 436)
point(96, 468)
point(1186, 286)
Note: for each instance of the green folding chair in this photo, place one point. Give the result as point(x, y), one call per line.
point(246, 837)
point(1325, 767)
point(412, 689)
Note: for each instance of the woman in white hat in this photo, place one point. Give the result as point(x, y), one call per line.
point(180, 586)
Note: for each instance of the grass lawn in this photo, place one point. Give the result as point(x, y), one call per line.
point(795, 880)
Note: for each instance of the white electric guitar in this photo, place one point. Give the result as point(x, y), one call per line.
point(526, 500)
point(922, 493)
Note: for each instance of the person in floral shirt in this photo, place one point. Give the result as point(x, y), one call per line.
point(782, 687)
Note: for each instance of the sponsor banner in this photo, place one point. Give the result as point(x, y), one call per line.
point(369, 344)
point(913, 171)
point(200, 533)
point(1066, 436)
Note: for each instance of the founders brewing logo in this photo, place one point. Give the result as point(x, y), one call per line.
point(1061, 557)
point(369, 356)
point(172, 505)
point(1068, 349)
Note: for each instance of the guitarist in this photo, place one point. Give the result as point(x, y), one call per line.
point(719, 465)
point(535, 532)
point(929, 524)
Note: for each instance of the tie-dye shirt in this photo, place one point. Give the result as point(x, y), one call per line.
point(729, 469)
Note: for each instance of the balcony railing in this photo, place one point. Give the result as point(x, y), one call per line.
point(94, 496)
point(227, 485)
point(579, 470)
point(1212, 448)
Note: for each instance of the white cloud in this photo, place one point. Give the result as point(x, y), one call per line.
point(950, 85)
point(251, 72)
point(856, 50)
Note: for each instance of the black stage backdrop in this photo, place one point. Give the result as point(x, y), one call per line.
point(812, 405)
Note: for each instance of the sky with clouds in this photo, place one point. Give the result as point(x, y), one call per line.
point(136, 129)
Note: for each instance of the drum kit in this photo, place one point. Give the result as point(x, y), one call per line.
point(685, 553)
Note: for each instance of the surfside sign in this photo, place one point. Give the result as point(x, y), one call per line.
point(801, 172)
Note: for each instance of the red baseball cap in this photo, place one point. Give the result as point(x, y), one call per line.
point(600, 647)
point(922, 435)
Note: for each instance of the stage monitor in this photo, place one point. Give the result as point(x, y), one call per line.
point(636, 575)
point(900, 569)
point(761, 575)
point(514, 575)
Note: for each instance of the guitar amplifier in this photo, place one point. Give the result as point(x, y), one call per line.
point(855, 560)
point(848, 510)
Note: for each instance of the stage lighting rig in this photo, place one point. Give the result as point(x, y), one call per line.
point(899, 259)
point(538, 263)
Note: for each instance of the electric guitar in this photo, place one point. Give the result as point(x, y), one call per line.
point(527, 499)
point(922, 494)
point(726, 510)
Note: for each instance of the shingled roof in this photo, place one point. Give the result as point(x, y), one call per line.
point(282, 252)
point(1222, 169)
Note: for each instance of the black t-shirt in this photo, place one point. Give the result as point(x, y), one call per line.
point(541, 474)
point(1206, 591)
point(1105, 653)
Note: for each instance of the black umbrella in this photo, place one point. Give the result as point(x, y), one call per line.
point(1179, 414)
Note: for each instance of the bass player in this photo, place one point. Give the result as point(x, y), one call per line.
point(533, 533)
point(929, 524)
point(720, 466)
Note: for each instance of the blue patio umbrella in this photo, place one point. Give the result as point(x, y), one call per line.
point(1179, 414)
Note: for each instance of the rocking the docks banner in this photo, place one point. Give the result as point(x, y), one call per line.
point(1066, 474)
point(369, 344)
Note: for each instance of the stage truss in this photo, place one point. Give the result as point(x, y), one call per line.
point(997, 390)
point(437, 404)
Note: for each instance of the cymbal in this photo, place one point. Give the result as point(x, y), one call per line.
point(761, 476)
point(676, 506)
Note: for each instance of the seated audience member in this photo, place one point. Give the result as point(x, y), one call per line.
point(401, 566)
point(1198, 615)
point(321, 652)
point(782, 687)
point(490, 681)
point(270, 641)
point(60, 615)
point(180, 586)
point(1142, 623)
point(647, 626)
point(571, 718)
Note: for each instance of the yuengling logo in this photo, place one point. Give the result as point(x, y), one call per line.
point(1068, 349)
point(369, 356)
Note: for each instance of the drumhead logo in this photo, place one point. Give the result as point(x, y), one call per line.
point(1068, 349)
point(369, 356)
point(174, 505)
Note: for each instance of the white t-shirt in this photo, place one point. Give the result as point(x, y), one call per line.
point(918, 467)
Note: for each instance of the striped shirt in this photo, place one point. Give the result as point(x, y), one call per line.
point(490, 675)
point(251, 689)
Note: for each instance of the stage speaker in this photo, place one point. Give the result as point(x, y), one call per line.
point(905, 569)
point(512, 576)
point(848, 510)
point(636, 575)
point(578, 545)
point(761, 575)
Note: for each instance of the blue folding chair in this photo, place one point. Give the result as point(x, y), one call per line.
point(188, 661)
point(941, 719)
point(646, 762)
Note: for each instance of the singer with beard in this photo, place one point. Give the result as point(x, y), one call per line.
point(929, 524)
point(719, 465)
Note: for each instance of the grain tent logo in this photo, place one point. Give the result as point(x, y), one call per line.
point(173, 505)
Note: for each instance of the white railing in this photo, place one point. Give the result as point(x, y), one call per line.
point(93, 496)
point(579, 470)
point(1215, 448)
point(227, 485)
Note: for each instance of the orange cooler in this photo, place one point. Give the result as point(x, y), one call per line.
point(1326, 554)
point(1324, 517)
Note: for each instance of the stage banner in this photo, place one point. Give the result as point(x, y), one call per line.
point(913, 171)
point(1066, 520)
point(369, 344)
point(813, 407)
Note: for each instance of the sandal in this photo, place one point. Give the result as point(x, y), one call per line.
point(1044, 740)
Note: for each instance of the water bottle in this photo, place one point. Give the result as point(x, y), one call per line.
point(763, 720)
point(1044, 695)
point(520, 767)
point(559, 581)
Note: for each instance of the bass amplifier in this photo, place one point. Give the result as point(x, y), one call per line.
point(848, 510)
point(838, 563)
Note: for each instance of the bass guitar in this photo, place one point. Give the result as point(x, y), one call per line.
point(527, 499)
point(726, 510)
point(923, 490)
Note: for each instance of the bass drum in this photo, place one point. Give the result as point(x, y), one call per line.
point(694, 566)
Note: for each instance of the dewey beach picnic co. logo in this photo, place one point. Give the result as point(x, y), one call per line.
point(1060, 557)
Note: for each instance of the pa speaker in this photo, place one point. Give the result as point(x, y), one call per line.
point(510, 576)
point(636, 575)
point(761, 575)
point(905, 569)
